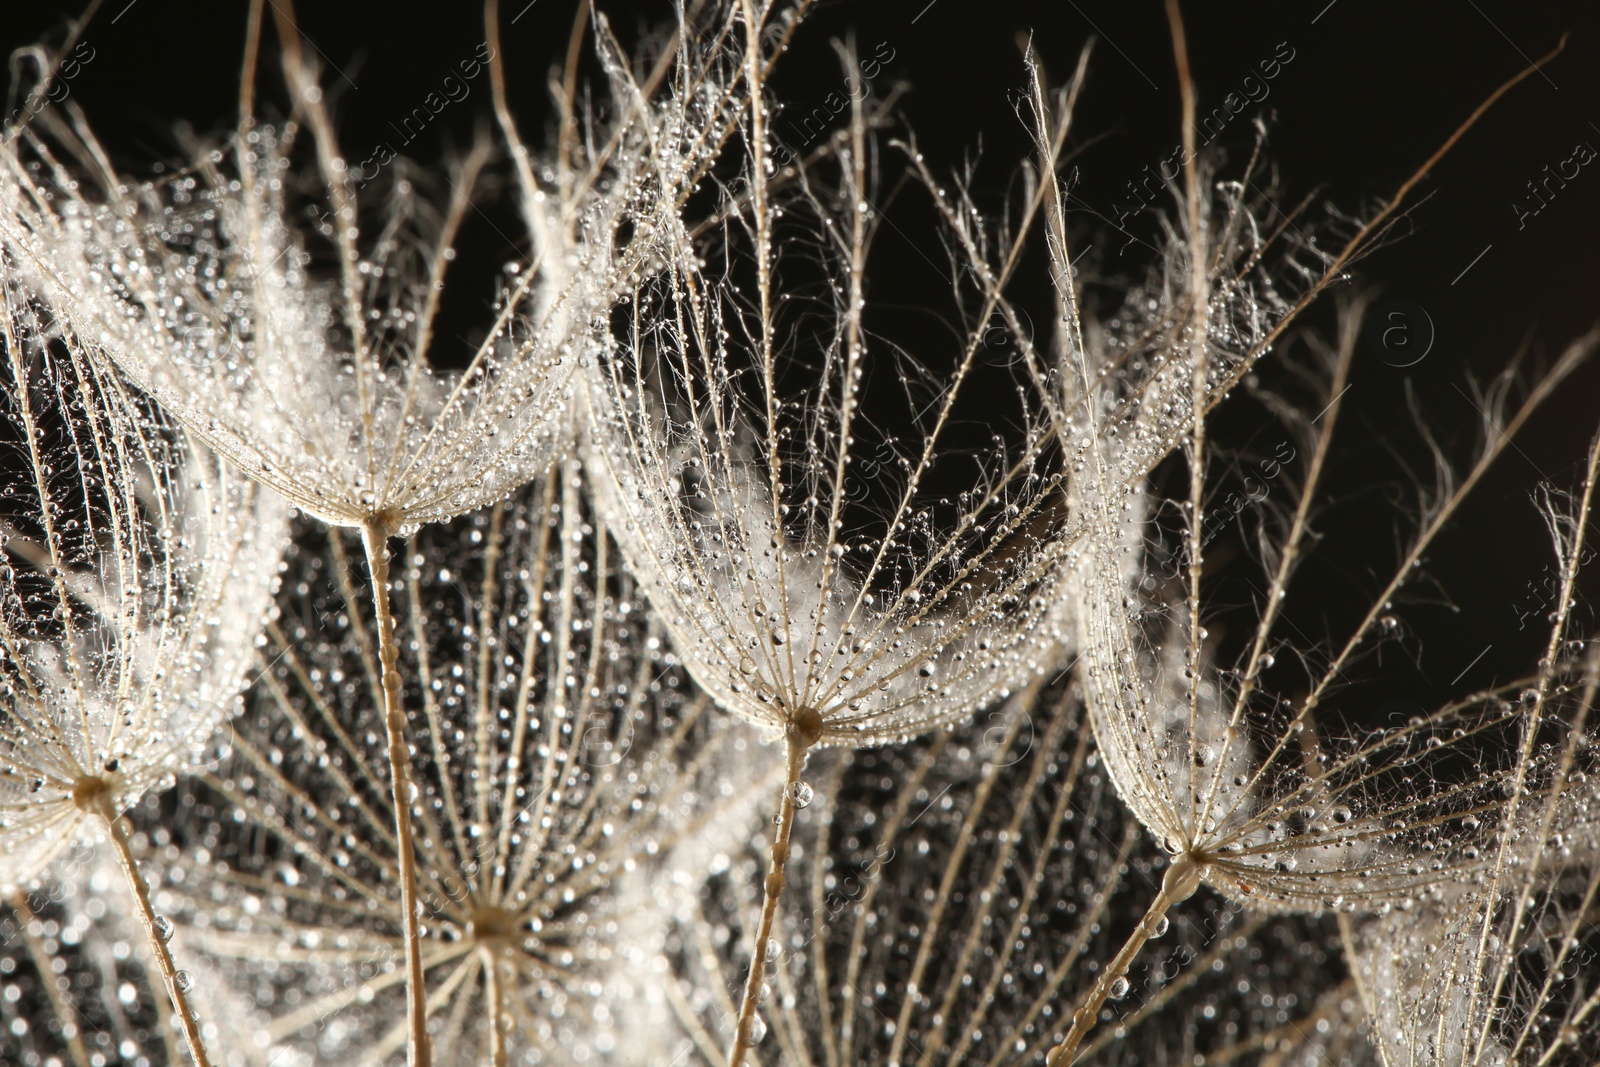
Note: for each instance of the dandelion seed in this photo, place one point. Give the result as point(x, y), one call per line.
point(137, 573)
point(1178, 743)
point(732, 507)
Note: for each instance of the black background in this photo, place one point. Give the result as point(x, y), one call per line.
point(1373, 88)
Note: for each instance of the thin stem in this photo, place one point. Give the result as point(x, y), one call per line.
point(795, 746)
point(491, 996)
point(101, 805)
point(508, 126)
point(1179, 883)
point(374, 538)
point(247, 76)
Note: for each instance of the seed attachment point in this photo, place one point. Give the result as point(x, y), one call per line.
point(805, 727)
point(90, 790)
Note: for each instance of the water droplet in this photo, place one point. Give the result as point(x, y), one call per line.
point(801, 793)
point(184, 981)
point(1341, 813)
point(1119, 988)
point(163, 927)
point(747, 666)
point(758, 1029)
point(1160, 927)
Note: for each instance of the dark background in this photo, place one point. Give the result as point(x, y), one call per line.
point(1372, 89)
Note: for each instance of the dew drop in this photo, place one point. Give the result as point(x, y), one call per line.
point(184, 981)
point(1119, 988)
point(801, 793)
point(163, 927)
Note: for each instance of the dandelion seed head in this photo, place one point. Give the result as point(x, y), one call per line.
point(559, 767)
point(136, 574)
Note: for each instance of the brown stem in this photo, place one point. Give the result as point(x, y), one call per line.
point(491, 995)
point(1181, 880)
point(374, 538)
point(795, 741)
point(147, 918)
